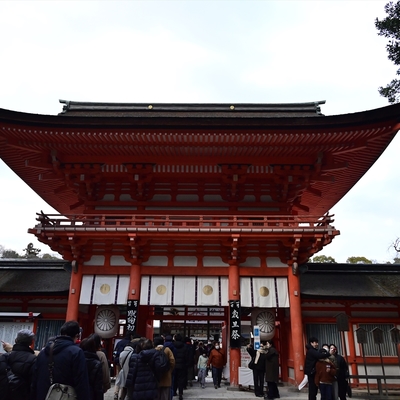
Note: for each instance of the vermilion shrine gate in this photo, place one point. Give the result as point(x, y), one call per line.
point(186, 207)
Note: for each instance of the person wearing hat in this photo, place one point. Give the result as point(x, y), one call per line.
point(21, 361)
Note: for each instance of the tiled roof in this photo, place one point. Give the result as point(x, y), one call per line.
point(350, 281)
point(31, 276)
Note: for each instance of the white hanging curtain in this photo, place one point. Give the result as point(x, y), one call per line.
point(264, 292)
point(104, 289)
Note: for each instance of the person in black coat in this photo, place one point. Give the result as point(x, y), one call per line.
point(94, 368)
point(142, 378)
point(342, 372)
point(3, 374)
point(181, 363)
point(21, 361)
point(69, 364)
point(312, 356)
point(272, 370)
point(191, 350)
point(258, 362)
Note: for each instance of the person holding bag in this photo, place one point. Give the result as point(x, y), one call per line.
point(62, 362)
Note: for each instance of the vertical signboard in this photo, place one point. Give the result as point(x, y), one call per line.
point(257, 338)
point(234, 324)
point(131, 315)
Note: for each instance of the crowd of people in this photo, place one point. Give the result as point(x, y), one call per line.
point(326, 370)
point(144, 369)
point(150, 370)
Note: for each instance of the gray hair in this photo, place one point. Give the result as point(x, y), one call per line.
point(25, 336)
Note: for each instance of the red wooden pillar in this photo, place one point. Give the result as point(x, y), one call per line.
point(296, 327)
point(74, 292)
point(234, 355)
point(135, 282)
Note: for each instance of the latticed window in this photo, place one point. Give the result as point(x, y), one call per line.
point(45, 330)
point(325, 333)
point(388, 348)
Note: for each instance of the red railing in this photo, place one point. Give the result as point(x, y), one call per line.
point(194, 221)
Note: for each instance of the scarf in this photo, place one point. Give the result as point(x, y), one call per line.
point(259, 352)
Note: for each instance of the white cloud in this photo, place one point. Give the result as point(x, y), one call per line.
point(203, 51)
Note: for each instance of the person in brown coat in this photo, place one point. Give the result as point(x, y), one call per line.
point(271, 370)
point(217, 361)
point(325, 372)
point(164, 385)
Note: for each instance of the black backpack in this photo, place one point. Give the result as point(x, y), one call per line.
point(163, 364)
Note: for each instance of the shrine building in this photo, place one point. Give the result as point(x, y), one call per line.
point(197, 216)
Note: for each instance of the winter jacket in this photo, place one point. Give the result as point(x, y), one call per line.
point(129, 378)
point(272, 365)
point(312, 356)
point(69, 368)
point(325, 372)
point(95, 374)
point(3, 374)
point(106, 370)
point(166, 379)
point(216, 358)
point(21, 361)
point(125, 356)
point(181, 355)
point(145, 385)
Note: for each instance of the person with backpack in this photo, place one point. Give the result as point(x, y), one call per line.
point(21, 363)
point(94, 368)
point(143, 378)
point(165, 382)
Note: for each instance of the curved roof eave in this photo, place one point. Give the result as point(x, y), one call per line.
point(354, 142)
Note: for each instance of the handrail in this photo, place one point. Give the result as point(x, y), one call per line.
point(200, 221)
point(378, 379)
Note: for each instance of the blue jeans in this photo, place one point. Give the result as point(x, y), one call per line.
point(217, 376)
point(326, 391)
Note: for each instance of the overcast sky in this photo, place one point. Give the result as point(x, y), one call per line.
point(203, 51)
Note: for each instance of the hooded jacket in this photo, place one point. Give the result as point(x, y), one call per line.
point(69, 368)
